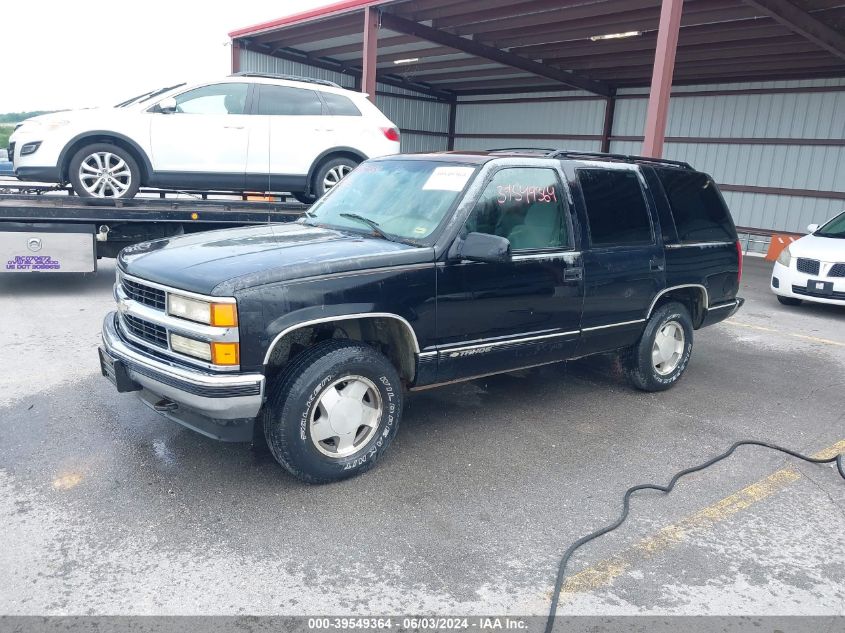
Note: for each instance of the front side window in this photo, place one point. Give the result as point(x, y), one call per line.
point(406, 198)
point(285, 101)
point(616, 210)
point(524, 205)
point(699, 212)
point(228, 98)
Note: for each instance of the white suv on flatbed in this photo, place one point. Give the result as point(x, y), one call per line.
point(246, 132)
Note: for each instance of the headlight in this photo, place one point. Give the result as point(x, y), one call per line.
point(217, 314)
point(218, 353)
point(785, 257)
point(190, 347)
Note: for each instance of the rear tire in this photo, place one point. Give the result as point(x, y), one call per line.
point(789, 301)
point(330, 173)
point(662, 354)
point(104, 170)
point(333, 411)
point(304, 198)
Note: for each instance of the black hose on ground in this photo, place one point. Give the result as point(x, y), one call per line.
point(561, 573)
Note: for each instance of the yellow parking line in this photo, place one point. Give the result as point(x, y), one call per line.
point(604, 572)
point(805, 337)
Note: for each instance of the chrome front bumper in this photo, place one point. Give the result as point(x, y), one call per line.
point(200, 397)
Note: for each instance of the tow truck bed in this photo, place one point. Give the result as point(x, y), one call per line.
point(60, 233)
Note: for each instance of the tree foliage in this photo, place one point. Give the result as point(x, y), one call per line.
point(17, 117)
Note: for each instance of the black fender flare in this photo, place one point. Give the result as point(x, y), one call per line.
point(64, 156)
point(334, 150)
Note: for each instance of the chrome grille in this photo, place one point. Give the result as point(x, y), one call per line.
point(150, 332)
point(143, 293)
point(808, 266)
point(838, 270)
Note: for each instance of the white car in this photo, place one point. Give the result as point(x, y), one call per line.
point(246, 132)
point(813, 267)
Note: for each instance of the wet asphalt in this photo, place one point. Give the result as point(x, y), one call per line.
point(106, 508)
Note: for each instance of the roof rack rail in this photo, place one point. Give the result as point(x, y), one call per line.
point(628, 158)
point(310, 80)
point(543, 150)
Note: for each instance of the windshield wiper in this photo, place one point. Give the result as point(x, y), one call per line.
point(373, 225)
point(156, 93)
point(833, 235)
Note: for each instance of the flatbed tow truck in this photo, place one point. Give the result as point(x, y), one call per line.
point(45, 229)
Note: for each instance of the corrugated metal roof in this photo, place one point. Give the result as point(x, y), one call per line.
point(720, 40)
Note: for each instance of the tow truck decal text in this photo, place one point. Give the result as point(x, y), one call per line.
point(33, 262)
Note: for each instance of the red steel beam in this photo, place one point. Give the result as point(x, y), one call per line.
point(661, 79)
point(236, 56)
point(368, 71)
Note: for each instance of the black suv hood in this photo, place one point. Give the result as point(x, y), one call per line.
point(222, 262)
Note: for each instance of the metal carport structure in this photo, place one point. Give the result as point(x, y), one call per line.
point(751, 90)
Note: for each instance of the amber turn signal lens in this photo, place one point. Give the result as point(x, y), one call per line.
point(224, 314)
point(225, 353)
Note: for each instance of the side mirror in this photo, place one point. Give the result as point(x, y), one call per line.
point(167, 105)
point(483, 247)
point(812, 228)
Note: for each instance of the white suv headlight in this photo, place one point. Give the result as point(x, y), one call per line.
point(785, 257)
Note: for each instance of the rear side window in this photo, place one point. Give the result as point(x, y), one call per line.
point(616, 208)
point(282, 100)
point(340, 105)
point(699, 211)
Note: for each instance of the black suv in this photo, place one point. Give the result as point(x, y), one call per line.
point(415, 271)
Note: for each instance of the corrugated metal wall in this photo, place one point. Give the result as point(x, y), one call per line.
point(815, 117)
point(819, 116)
point(490, 125)
point(408, 113)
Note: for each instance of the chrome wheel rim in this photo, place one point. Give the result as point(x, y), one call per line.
point(668, 348)
point(335, 175)
point(345, 416)
point(105, 175)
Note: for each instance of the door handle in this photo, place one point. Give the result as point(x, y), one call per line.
point(234, 127)
point(655, 265)
point(573, 274)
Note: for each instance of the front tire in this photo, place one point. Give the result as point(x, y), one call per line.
point(662, 354)
point(789, 301)
point(104, 170)
point(333, 411)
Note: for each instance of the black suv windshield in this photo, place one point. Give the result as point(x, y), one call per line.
point(406, 199)
point(834, 228)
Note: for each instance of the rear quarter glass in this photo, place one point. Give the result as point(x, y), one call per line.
point(697, 206)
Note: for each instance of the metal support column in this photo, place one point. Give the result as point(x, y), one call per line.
point(607, 129)
point(368, 76)
point(453, 111)
point(236, 56)
point(661, 78)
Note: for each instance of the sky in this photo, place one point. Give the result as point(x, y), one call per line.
point(60, 54)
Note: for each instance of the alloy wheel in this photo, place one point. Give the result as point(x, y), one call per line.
point(105, 175)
